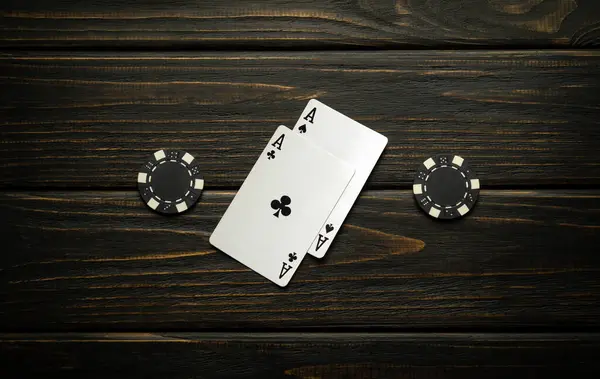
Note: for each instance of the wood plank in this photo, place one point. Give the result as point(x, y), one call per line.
point(292, 24)
point(524, 118)
point(103, 261)
point(302, 356)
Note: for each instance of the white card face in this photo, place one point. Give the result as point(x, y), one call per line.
point(281, 206)
point(349, 140)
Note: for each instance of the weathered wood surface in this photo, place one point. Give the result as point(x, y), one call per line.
point(277, 24)
point(99, 266)
point(523, 118)
point(301, 356)
point(102, 260)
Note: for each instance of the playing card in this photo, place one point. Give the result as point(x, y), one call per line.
point(349, 140)
point(281, 206)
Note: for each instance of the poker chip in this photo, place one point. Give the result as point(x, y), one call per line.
point(445, 187)
point(170, 181)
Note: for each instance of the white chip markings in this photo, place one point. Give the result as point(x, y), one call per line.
point(198, 184)
point(160, 154)
point(429, 163)
point(153, 203)
point(434, 212)
point(457, 160)
point(181, 207)
point(142, 177)
point(475, 183)
point(187, 157)
point(463, 210)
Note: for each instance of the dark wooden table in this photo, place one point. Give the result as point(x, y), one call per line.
point(94, 285)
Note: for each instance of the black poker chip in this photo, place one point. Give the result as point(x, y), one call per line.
point(445, 187)
point(170, 181)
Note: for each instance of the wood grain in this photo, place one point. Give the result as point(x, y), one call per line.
point(301, 356)
point(104, 274)
point(277, 24)
point(523, 118)
point(103, 261)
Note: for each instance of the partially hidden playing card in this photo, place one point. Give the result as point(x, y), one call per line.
point(350, 141)
point(281, 206)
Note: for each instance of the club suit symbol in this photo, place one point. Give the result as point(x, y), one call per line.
point(281, 206)
point(271, 154)
point(292, 257)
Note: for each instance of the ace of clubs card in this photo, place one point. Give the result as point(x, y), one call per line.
point(281, 206)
